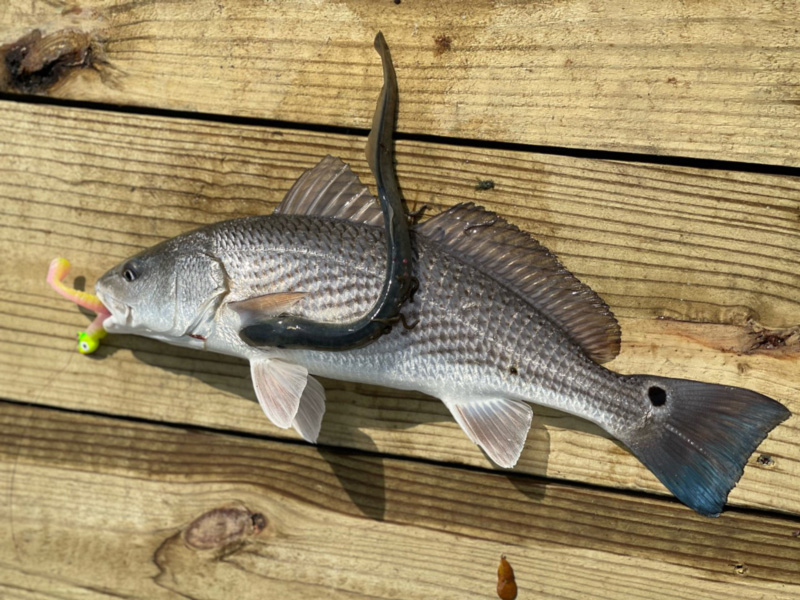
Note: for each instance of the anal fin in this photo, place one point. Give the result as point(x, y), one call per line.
point(498, 425)
point(279, 386)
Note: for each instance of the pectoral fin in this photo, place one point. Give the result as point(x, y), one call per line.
point(498, 425)
point(268, 305)
point(279, 386)
point(308, 420)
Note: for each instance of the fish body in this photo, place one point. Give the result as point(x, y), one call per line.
point(474, 336)
point(499, 324)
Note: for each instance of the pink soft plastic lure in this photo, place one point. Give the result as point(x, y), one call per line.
point(89, 340)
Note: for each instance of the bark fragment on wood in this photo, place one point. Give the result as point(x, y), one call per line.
point(46, 57)
point(36, 63)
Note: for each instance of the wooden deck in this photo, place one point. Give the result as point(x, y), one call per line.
point(140, 120)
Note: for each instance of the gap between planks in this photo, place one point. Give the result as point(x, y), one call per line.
point(441, 140)
point(375, 455)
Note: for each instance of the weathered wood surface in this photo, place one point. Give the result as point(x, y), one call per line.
point(123, 495)
point(718, 251)
point(703, 79)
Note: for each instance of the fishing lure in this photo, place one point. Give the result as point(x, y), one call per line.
point(89, 340)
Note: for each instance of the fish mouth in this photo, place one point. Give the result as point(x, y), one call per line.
point(120, 319)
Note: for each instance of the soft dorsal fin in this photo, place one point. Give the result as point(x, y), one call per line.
point(518, 261)
point(332, 190)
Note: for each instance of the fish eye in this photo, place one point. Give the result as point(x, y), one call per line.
point(129, 272)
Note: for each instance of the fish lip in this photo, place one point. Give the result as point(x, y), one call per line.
point(120, 313)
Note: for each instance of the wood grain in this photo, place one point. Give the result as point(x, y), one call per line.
point(703, 79)
point(715, 250)
point(105, 508)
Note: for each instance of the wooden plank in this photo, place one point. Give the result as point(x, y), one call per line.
point(101, 508)
point(716, 250)
point(704, 79)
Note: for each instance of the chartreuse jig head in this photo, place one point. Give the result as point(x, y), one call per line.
point(89, 340)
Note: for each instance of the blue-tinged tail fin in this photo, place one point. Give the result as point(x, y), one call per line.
point(697, 437)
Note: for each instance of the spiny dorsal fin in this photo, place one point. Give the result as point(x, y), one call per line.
point(518, 261)
point(332, 190)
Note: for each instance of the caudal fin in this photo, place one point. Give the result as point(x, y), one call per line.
point(698, 436)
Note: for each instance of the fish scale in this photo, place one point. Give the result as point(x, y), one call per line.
point(450, 348)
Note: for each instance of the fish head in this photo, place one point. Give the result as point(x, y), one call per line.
point(168, 292)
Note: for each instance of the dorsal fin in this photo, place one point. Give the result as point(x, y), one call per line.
point(332, 190)
point(518, 261)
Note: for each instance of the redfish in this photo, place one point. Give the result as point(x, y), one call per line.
point(500, 324)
